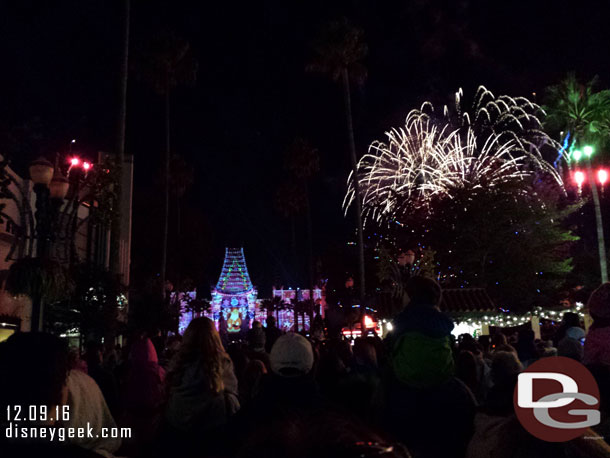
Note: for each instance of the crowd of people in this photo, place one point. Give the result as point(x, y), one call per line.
point(419, 392)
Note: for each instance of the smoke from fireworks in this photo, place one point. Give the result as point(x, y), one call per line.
point(497, 142)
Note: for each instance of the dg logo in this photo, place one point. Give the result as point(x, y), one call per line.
point(557, 399)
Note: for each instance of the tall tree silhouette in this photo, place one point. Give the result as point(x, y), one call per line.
point(116, 228)
point(164, 63)
point(301, 164)
point(338, 51)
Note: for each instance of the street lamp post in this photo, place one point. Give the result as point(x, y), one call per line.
point(50, 187)
point(601, 244)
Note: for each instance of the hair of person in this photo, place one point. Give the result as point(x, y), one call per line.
point(200, 344)
point(506, 347)
point(505, 365)
point(365, 351)
point(499, 339)
point(424, 290)
point(34, 368)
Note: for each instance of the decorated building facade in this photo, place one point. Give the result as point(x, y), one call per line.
point(234, 297)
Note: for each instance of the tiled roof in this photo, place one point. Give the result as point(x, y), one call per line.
point(466, 300)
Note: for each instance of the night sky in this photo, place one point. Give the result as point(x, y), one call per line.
point(253, 97)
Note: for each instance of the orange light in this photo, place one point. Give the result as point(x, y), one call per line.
point(579, 177)
point(74, 161)
point(602, 176)
point(368, 322)
point(86, 165)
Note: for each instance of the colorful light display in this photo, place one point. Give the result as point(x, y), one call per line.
point(234, 296)
point(290, 296)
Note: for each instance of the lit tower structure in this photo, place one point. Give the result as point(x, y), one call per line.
point(234, 296)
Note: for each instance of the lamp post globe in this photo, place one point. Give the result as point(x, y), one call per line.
point(59, 185)
point(41, 171)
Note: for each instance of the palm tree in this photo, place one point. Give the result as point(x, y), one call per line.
point(120, 139)
point(274, 305)
point(302, 163)
point(579, 112)
point(181, 178)
point(582, 115)
point(338, 52)
point(165, 63)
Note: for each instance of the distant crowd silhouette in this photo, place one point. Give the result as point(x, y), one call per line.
point(419, 392)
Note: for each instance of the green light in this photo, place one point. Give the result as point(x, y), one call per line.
point(588, 150)
point(577, 155)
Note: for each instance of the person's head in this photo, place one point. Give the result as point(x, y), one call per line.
point(201, 343)
point(364, 352)
point(485, 343)
point(257, 338)
point(349, 281)
point(291, 356)
point(424, 291)
point(271, 322)
point(505, 366)
point(93, 354)
point(470, 345)
point(570, 319)
point(570, 348)
point(257, 325)
point(34, 368)
point(498, 339)
point(599, 302)
point(143, 351)
point(406, 257)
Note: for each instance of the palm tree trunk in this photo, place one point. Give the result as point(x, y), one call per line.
point(166, 188)
point(310, 256)
point(295, 258)
point(601, 245)
point(178, 218)
point(115, 234)
point(354, 160)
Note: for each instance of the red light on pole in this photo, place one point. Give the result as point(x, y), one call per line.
point(602, 176)
point(579, 178)
point(74, 161)
point(86, 166)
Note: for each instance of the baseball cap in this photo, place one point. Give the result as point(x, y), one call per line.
point(291, 355)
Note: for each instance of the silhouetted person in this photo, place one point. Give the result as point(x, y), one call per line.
point(34, 368)
point(103, 377)
point(272, 333)
point(202, 390)
point(426, 406)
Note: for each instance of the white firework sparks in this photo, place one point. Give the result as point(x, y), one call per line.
point(426, 160)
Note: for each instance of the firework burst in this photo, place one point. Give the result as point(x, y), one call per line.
point(498, 141)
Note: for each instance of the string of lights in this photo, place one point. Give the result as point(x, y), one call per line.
point(506, 319)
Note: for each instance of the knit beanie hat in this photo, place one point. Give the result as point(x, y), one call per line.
point(291, 355)
point(575, 333)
